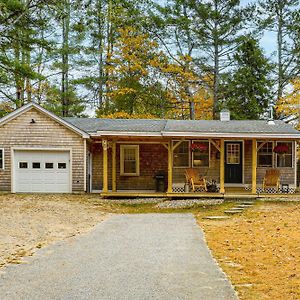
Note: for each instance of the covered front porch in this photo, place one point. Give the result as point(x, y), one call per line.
point(130, 167)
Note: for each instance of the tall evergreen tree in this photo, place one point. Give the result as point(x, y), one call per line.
point(218, 25)
point(173, 25)
point(249, 87)
point(282, 17)
point(69, 16)
point(20, 23)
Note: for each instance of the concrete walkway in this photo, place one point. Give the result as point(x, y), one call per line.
point(146, 256)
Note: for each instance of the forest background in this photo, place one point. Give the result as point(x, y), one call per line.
point(180, 59)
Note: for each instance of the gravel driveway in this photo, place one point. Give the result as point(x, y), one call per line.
point(146, 256)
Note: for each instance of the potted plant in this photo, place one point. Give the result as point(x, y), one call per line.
point(198, 148)
point(281, 149)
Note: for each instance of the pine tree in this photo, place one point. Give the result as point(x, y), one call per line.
point(249, 88)
point(218, 25)
point(68, 15)
point(19, 24)
point(282, 17)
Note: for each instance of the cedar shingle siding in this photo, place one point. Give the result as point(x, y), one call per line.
point(46, 133)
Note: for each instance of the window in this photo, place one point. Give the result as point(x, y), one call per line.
point(36, 165)
point(23, 165)
point(285, 160)
point(49, 165)
point(181, 154)
point(129, 160)
point(233, 154)
point(265, 154)
point(1, 159)
point(61, 165)
point(200, 154)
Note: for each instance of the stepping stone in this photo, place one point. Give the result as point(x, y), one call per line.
point(237, 208)
point(244, 206)
point(216, 217)
point(232, 212)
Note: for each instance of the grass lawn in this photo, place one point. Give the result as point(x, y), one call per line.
point(259, 250)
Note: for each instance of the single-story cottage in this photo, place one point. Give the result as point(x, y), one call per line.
point(43, 153)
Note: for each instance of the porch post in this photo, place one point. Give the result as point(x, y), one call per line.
point(254, 164)
point(114, 168)
point(105, 166)
point(170, 167)
point(222, 166)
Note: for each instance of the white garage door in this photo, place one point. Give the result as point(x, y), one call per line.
point(41, 171)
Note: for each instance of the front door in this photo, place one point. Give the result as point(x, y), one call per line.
point(233, 162)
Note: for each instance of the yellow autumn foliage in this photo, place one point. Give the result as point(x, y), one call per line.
point(6, 107)
point(125, 115)
point(289, 105)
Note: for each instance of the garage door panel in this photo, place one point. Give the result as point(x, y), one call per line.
point(51, 176)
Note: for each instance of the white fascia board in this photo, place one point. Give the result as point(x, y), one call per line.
point(231, 135)
point(62, 121)
point(196, 134)
point(30, 105)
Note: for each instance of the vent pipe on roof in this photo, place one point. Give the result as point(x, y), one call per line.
point(225, 115)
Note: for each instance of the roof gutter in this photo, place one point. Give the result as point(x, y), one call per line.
point(195, 134)
point(232, 135)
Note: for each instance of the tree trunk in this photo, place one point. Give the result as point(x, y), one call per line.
point(100, 49)
point(216, 66)
point(279, 54)
point(65, 59)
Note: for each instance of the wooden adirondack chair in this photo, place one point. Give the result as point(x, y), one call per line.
point(194, 179)
point(272, 179)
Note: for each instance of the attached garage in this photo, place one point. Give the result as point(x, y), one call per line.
point(41, 171)
point(41, 153)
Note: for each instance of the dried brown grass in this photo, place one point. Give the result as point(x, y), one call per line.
point(259, 250)
point(29, 222)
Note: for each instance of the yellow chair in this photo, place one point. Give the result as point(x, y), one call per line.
point(272, 179)
point(194, 179)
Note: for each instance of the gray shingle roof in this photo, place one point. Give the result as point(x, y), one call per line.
point(233, 126)
point(92, 125)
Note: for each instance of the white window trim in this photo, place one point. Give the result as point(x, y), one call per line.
point(239, 162)
point(3, 159)
point(292, 154)
point(273, 156)
point(181, 167)
point(137, 158)
point(209, 148)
